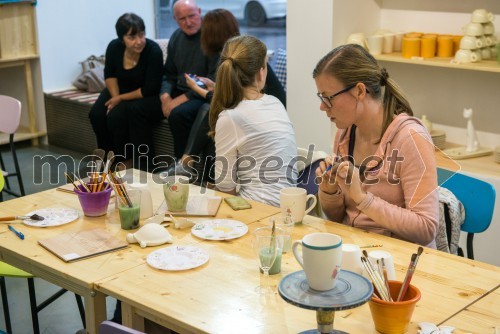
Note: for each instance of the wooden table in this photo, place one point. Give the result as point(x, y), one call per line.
point(483, 316)
point(79, 277)
point(219, 297)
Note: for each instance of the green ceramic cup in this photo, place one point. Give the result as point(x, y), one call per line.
point(130, 210)
point(176, 192)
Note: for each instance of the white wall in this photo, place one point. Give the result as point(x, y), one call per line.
point(70, 31)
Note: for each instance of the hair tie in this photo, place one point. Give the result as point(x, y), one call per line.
point(230, 59)
point(384, 76)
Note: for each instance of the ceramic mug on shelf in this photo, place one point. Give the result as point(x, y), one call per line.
point(296, 203)
point(473, 29)
point(470, 43)
point(357, 38)
point(375, 44)
point(466, 56)
point(411, 47)
point(482, 16)
point(445, 46)
point(398, 41)
point(488, 28)
point(321, 259)
point(388, 42)
point(428, 46)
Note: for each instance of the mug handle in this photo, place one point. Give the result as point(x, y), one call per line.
point(298, 256)
point(314, 201)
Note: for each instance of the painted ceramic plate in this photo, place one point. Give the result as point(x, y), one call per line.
point(350, 291)
point(219, 229)
point(52, 217)
point(175, 258)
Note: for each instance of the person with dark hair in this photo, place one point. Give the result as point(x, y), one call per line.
point(382, 176)
point(254, 138)
point(217, 27)
point(129, 105)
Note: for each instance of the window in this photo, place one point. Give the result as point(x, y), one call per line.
point(264, 19)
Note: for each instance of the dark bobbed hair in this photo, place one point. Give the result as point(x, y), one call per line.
point(217, 27)
point(129, 22)
point(351, 64)
point(241, 60)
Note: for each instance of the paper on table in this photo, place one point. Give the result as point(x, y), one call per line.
point(198, 205)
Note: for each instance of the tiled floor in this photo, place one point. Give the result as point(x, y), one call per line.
point(62, 316)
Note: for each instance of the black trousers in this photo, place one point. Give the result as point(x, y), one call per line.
point(200, 145)
point(130, 122)
point(181, 120)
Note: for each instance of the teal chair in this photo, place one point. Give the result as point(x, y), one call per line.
point(6, 270)
point(478, 199)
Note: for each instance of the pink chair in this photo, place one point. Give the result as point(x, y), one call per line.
point(10, 116)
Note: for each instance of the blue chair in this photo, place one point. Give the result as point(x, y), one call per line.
point(478, 199)
point(307, 178)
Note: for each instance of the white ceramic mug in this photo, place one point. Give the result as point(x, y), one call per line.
point(293, 202)
point(466, 56)
point(488, 28)
point(357, 38)
point(473, 29)
point(373, 256)
point(375, 44)
point(470, 43)
point(321, 258)
point(485, 53)
point(398, 41)
point(388, 42)
point(351, 258)
point(482, 16)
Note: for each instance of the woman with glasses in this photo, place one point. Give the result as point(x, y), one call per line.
point(254, 138)
point(382, 176)
point(130, 103)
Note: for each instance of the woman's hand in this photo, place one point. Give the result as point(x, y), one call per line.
point(209, 83)
point(113, 102)
point(190, 81)
point(349, 181)
point(327, 179)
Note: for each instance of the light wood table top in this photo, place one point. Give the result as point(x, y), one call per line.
point(220, 297)
point(80, 276)
point(483, 316)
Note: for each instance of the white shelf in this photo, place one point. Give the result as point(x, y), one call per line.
point(484, 65)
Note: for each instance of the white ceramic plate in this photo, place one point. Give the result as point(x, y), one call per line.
point(175, 258)
point(219, 229)
point(52, 217)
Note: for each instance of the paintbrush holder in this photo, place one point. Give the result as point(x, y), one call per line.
point(94, 204)
point(394, 317)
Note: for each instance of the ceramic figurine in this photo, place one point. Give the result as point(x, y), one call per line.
point(472, 141)
point(150, 235)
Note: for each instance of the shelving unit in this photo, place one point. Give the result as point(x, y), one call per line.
point(483, 65)
point(19, 48)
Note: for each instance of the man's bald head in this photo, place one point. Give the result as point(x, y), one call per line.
point(188, 16)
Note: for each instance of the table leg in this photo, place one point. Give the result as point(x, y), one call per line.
point(95, 310)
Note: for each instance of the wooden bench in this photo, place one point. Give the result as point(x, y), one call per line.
point(68, 123)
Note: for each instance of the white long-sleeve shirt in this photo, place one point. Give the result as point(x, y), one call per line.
point(255, 148)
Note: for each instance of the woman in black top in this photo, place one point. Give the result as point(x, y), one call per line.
point(129, 105)
point(217, 27)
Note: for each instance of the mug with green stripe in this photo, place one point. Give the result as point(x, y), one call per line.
point(321, 258)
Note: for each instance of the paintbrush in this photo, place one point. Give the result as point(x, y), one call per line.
point(69, 179)
point(32, 217)
point(409, 274)
point(110, 157)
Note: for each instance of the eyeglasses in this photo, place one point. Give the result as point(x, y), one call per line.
point(327, 100)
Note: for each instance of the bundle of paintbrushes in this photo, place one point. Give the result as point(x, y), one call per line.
point(409, 273)
point(378, 276)
point(120, 190)
point(97, 177)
